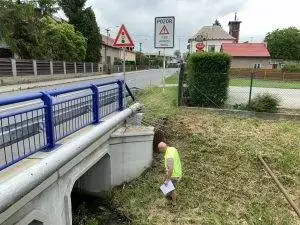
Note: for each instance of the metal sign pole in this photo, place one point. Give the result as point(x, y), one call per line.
point(164, 70)
point(124, 78)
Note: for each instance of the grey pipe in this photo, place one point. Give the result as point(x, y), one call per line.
point(17, 187)
point(280, 186)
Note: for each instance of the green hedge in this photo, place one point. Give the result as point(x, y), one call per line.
point(291, 68)
point(208, 79)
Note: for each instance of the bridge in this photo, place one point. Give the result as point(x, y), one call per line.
point(85, 138)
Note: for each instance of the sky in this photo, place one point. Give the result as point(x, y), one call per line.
point(258, 17)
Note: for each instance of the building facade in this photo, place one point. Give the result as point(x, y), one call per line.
point(248, 55)
point(113, 55)
point(209, 39)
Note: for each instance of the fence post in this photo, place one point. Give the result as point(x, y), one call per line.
point(51, 68)
point(84, 68)
point(65, 67)
point(180, 84)
point(96, 104)
point(121, 88)
point(75, 68)
point(92, 66)
point(14, 67)
point(34, 67)
point(49, 119)
point(251, 85)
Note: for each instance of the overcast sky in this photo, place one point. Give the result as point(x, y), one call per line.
point(258, 17)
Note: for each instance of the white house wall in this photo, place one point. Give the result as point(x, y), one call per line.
point(250, 62)
point(217, 43)
point(116, 53)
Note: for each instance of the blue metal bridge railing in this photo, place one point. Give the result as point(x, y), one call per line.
point(53, 116)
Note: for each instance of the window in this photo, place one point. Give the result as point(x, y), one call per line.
point(257, 66)
point(211, 48)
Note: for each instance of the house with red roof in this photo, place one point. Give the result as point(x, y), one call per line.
point(111, 54)
point(248, 55)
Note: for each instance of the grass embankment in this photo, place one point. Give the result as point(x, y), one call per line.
point(223, 182)
point(244, 82)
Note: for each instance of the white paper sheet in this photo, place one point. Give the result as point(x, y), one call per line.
point(167, 188)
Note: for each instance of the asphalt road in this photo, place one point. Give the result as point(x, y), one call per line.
point(139, 79)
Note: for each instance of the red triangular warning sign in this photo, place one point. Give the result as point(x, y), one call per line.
point(164, 30)
point(123, 38)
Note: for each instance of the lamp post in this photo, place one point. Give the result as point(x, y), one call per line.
point(107, 44)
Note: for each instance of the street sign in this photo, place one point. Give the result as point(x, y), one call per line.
point(200, 46)
point(164, 32)
point(123, 38)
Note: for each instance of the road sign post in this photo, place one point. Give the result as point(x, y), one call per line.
point(164, 37)
point(123, 40)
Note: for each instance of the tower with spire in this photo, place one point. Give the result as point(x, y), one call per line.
point(234, 28)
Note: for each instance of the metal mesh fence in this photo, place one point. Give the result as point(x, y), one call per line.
point(72, 115)
point(22, 134)
point(243, 91)
point(108, 101)
point(52, 116)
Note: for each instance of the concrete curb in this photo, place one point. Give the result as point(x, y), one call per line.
point(249, 114)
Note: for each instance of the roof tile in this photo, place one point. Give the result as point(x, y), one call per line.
point(213, 33)
point(246, 49)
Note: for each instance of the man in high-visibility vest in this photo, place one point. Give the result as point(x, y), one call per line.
point(173, 167)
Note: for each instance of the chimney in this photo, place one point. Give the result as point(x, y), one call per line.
point(234, 28)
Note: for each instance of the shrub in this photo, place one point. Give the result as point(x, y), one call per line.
point(265, 103)
point(291, 68)
point(208, 79)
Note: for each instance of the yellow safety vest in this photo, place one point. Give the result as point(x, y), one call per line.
point(173, 154)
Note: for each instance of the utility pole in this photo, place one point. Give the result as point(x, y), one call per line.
point(140, 46)
point(179, 40)
point(107, 34)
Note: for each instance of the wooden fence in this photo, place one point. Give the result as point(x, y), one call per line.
point(269, 74)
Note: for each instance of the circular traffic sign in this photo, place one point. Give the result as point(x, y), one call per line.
point(200, 46)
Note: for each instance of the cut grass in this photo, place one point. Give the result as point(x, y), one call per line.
point(241, 82)
point(223, 181)
point(174, 79)
point(244, 82)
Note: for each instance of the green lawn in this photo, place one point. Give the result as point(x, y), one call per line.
point(241, 82)
point(172, 79)
point(223, 182)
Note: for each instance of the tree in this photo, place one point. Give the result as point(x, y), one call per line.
point(21, 27)
point(63, 42)
point(84, 21)
point(47, 7)
point(284, 44)
point(177, 54)
point(32, 36)
point(217, 23)
point(141, 59)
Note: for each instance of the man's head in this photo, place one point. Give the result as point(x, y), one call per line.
point(162, 147)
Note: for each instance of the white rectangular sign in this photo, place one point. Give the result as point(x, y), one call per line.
point(164, 32)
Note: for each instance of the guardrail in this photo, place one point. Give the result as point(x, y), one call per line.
point(54, 115)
